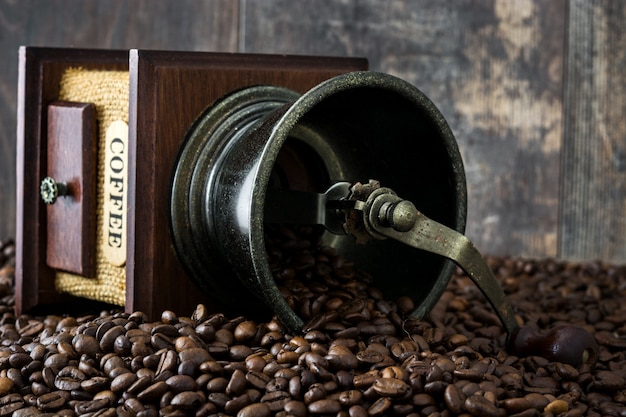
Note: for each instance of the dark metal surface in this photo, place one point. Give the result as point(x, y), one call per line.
point(202, 196)
point(358, 125)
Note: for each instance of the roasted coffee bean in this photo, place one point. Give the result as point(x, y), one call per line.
point(257, 379)
point(276, 400)
point(236, 384)
point(364, 381)
point(391, 387)
point(259, 410)
point(480, 406)
point(295, 387)
point(314, 393)
point(379, 407)
point(234, 405)
point(341, 357)
point(277, 384)
point(19, 359)
point(133, 406)
point(139, 385)
point(167, 362)
point(361, 353)
point(51, 401)
point(153, 392)
point(350, 397)
point(454, 399)
point(296, 408)
point(196, 355)
point(219, 399)
point(31, 329)
point(10, 403)
point(91, 406)
point(69, 378)
point(179, 383)
point(217, 384)
point(123, 381)
point(324, 406)
point(187, 400)
point(605, 381)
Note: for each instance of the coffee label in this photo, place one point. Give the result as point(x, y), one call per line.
point(113, 242)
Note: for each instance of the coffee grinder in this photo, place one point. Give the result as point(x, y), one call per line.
point(281, 140)
point(268, 155)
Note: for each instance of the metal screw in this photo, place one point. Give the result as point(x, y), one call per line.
point(50, 190)
point(400, 215)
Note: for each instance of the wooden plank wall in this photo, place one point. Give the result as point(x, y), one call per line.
point(593, 193)
point(534, 91)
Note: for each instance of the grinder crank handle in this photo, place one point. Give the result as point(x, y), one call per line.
point(387, 215)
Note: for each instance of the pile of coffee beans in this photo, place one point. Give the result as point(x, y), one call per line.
point(358, 355)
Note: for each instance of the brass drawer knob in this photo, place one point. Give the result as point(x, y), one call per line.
point(50, 190)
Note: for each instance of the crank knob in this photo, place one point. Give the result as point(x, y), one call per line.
point(566, 344)
point(50, 190)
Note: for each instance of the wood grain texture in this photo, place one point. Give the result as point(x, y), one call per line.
point(71, 220)
point(210, 25)
point(493, 68)
point(593, 214)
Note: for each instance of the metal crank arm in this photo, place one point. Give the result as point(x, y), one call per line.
point(387, 215)
point(370, 211)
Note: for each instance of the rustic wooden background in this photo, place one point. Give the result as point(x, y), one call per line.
point(534, 90)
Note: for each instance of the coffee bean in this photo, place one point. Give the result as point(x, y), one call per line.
point(276, 400)
point(108, 363)
point(557, 407)
point(51, 401)
point(31, 329)
point(187, 400)
point(360, 350)
point(153, 392)
point(133, 406)
point(179, 383)
point(605, 381)
point(123, 381)
point(379, 407)
point(69, 378)
point(259, 410)
point(350, 397)
point(341, 357)
point(10, 403)
point(295, 387)
point(257, 379)
point(324, 406)
point(233, 405)
point(236, 384)
point(454, 399)
point(140, 384)
point(480, 406)
point(106, 395)
point(296, 408)
point(537, 401)
point(6, 385)
point(86, 345)
point(219, 399)
point(391, 387)
point(92, 406)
